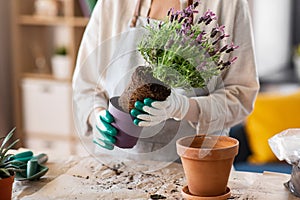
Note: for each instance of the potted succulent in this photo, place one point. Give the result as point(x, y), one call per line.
point(61, 63)
point(46, 8)
point(8, 167)
point(179, 53)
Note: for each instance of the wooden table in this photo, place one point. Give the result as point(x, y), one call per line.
point(86, 178)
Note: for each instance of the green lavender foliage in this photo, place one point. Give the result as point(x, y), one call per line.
point(180, 53)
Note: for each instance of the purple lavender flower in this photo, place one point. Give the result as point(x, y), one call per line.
point(210, 14)
point(221, 29)
point(224, 48)
point(231, 48)
point(208, 21)
point(188, 10)
point(227, 63)
point(185, 28)
point(213, 32)
point(171, 10)
point(208, 17)
point(176, 16)
point(196, 3)
point(199, 38)
point(171, 18)
point(216, 30)
point(220, 38)
point(233, 59)
point(159, 25)
point(224, 36)
point(180, 19)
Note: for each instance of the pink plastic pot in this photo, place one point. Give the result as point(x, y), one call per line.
point(128, 132)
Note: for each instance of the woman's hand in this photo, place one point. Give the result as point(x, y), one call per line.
point(104, 135)
point(150, 112)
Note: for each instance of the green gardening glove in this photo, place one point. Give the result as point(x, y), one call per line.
point(138, 109)
point(30, 167)
point(105, 132)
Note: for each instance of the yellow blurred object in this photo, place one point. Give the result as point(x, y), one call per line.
point(273, 113)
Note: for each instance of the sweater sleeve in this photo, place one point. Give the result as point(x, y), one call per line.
point(232, 96)
point(91, 88)
point(87, 94)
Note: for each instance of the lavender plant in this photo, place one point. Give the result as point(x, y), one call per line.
point(181, 53)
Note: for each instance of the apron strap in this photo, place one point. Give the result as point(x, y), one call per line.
point(136, 13)
point(190, 2)
point(185, 3)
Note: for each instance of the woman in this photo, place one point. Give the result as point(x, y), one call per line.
point(102, 72)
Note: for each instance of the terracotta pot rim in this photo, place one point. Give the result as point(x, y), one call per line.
point(10, 177)
point(222, 148)
point(219, 153)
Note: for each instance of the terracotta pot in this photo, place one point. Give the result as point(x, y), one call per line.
point(207, 161)
point(128, 133)
point(6, 187)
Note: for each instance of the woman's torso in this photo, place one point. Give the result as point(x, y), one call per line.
point(157, 142)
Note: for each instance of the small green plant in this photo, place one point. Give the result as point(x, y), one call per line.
point(62, 50)
point(7, 166)
point(297, 50)
point(184, 54)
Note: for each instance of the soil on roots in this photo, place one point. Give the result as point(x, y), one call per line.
point(143, 85)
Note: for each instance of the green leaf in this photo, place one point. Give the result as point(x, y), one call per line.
point(4, 172)
point(5, 158)
point(15, 163)
point(9, 147)
point(4, 150)
point(8, 136)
